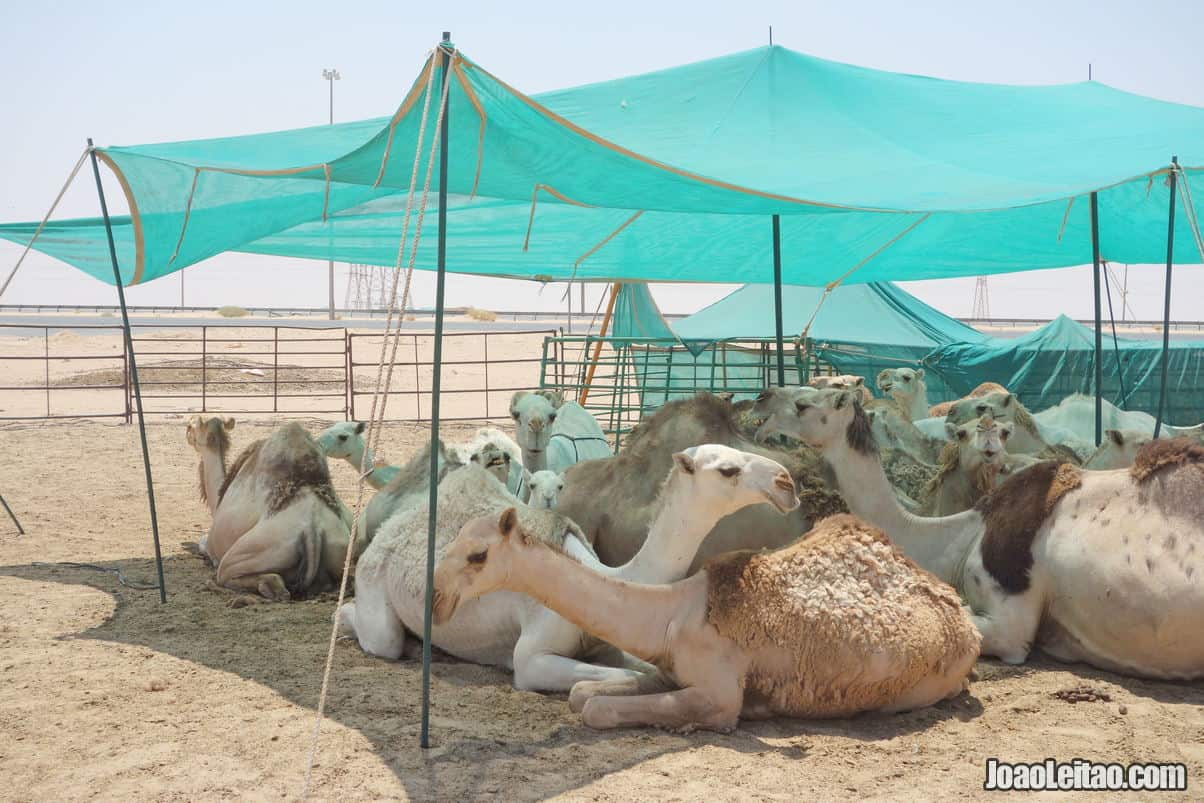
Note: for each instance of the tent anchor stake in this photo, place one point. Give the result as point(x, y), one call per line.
point(129, 346)
point(424, 739)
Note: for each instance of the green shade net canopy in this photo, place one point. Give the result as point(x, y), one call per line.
point(672, 175)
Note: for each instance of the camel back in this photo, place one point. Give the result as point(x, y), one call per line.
point(1014, 513)
point(1157, 455)
point(286, 477)
point(248, 455)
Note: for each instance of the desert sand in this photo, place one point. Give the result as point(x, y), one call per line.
point(107, 695)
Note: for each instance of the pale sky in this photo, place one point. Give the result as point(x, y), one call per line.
point(136, 71)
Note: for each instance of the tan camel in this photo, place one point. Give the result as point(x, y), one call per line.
point(973, 465)
point(1026, 438)
point(613, 499)
point(843, 382)
point(906, 387)
point(513, 631)
point(279, 529)
point(838, 623)
point(1118, 450)
point(211, 439)
point(1103, 567)
point(942, 409)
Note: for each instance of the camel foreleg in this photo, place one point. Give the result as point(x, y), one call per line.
point(625, 687)
point(683, 710)
point(537, 669)
point(1008, 624)
point(371, 620)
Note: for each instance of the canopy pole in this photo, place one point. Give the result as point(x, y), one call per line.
point(433, 499)
point(11, 515)
point(777, 297)
point(1166, 309)
point(129, 346)
point(1099, 328)
point(593, 365)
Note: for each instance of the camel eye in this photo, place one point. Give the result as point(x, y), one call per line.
point(729, 471)
point(551, 417)
point(907, 379)
point(342, 437)
point(801, 407)
point(982, 408)
point(478, 557)
point(514, 415)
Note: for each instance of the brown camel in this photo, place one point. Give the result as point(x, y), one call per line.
point(613, 499)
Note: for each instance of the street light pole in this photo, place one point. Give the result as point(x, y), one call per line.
point(331, 76)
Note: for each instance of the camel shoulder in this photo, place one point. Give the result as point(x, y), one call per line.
point(1157, 455)
point(1013, 514)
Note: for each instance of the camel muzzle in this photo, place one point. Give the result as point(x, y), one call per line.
point(783, 496)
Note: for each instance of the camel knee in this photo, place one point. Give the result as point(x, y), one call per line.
point(344, 619)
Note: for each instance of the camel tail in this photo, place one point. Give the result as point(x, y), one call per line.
point(309, 554)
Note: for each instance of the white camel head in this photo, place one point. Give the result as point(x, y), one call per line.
point(1000, 404)
point(545, 488)
point(533, 414)
point(344, 440)
point(824, 419)
point(718, 474)
point(980, 442)
point(775, 403)
point(209, 433)
point(1118, 449)
point(493, 459)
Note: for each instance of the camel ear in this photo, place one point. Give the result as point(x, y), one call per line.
point(684, 461)
point(554, 397)
point(1005, 431)
point(359, 427)
point(726, 395)
point(228, 424)
point(919, 373)
point(882, 374)
point(962, 434)
point(950, 430)
point(842, 399)
point(507, 522)
point(860, 382)
point(1007, 400)
point(1116, 435)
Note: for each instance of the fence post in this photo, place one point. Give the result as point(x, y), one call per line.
point(204, 375)
point(486, 376)
point(275, 368)
point(349, 374)
point(46, 366)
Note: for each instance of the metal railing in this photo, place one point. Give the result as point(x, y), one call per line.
point(56, 388)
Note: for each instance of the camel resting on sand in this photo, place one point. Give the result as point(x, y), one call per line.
point(555, 434)
point(409, 486)
point(613, 499)
point(279, 530)
point(838, 623)
point(1103, 567)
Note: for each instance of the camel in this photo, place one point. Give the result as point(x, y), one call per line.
point(942, 409)
point(345, 440)
point(210, 437)
point(555, 434)
point(1027, 437)
point(409, 486)
point(905, 386)
point(1118, 450)
point(843, 382)
point(1073, 420)
point(972, 465)
point(515, 632)
point(838, 623)
point(543, 489)
point(613, 499)
point(1102, 567)
point(278, 529)
point(511, 451)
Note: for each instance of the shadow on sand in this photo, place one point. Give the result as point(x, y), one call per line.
point(482, 729)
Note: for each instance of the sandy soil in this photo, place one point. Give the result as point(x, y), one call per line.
point(106, 694)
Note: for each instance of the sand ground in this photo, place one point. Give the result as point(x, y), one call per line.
point(105, 694)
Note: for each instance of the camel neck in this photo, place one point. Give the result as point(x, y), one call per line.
point(363, 461)
point(535, 461)
point(213, 474)
point(680, 524)
point(940, 545)
point(631, 616)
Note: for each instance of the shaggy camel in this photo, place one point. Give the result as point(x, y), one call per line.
point(941, 410)
point(905, 386)
point(278, 529)
point(409, 486)
point(973, 465)
point(555, 434)
point(211, 439)
point(1118, 450)
point(515, 632)
point(512, 456)
point(837, 623)
point(543, 489)
point(1096, 566)
point(613, 499)
point(1027, 437)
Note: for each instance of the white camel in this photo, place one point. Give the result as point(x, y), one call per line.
point(513, 631)
point(345, 440)
point(837, 623)
point(512, 475)
point(555, 434)
point(1103, 567)
point(1073, 419)
point(843, 382)
point(543, 489)
point(906, 387)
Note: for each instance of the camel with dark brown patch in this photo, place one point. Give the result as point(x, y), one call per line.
point(1103, 567)
point(279, 529)
point(613, 499)
point(837, 623)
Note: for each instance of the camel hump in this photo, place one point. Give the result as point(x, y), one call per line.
point(247, 456)
point(1013, 514)
point(1157, 455)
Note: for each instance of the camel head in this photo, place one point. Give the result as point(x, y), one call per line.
point(493, 459)
point(824, 419)
point(777, 403)
point(545, 488)
point(209, 433)
point(533, 414)
point(1118, 449)
point(479, 558)
point(1001, 405)
point(902, 384)
point(344, 440)
point(981, 442)
point(720, 475)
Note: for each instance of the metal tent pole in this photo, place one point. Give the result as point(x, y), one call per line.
point(1166, 309)
point(777, 297)
point(129, 346)
point(1099, 327)
point(11, 515)
point(433, 515)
